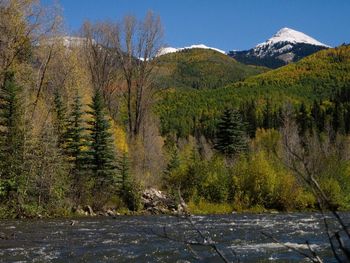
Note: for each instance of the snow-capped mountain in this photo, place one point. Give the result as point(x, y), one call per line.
point(167, 50)
point(287, 45)
point(292, 36)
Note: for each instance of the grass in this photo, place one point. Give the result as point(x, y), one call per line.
point(204, 208)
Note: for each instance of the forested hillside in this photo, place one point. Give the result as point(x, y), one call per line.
point(318, 77)
point(315, 77)
point(201, 69)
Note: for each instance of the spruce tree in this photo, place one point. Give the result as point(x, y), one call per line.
point(318, 116)
point(76, 145)
point(248, 111)
point(103, 163)
point(338, 123)
point(127, 191)
point(60, 122)
point(174, 163)
point(303, 120)
point(267, 115)
point(231, 135)
point(347, 118)
point(12, 138)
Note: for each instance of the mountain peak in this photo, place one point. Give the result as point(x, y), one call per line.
point(287, 45)
point(292, 36)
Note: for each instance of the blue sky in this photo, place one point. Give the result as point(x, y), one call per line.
point(224, 24)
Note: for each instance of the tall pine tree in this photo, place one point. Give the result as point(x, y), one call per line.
point(76, 147)
point(173, 164)
point(303, 120)
point(318, 116)
point(231, 135)
point(338, 123)
point(60, 122)
point(12, 138)
point(103, 162)
point(268, 115)
point(248, 111)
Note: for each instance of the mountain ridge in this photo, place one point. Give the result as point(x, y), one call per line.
point(167, 50)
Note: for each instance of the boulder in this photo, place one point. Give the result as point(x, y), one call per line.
point(109, 212)
point(157, 202)
point(88, 210)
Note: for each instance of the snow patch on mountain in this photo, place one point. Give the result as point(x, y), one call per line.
point(168, 50)
point(283, 41)
point(292, 36)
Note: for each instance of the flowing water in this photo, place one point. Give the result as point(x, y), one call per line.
point(163, 238)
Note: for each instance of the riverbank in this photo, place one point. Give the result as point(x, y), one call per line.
point(154, 202)
point(200, 210)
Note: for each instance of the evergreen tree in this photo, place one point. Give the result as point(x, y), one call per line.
point(338, 118)
point(267, 115)
point(12, 138)
point(127, 188)
point(347, 118)
point(103, 163)
point(303, 120)
point(248, 111)
point(279, 118)
point(60, 122)
point(318, 116)
point(174, 163)
point(76, 145)
point(231, 136)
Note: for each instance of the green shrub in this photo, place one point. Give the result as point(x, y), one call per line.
point(206, 207)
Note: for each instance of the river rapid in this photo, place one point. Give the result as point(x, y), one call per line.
point(164, 238)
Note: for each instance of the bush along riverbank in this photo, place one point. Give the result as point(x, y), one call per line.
point(157, 202)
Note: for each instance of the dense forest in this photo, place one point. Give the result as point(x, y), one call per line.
point(98, 118)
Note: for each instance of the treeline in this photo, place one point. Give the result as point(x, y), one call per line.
point(257, 174)
point(330, 115)
point(191, 113)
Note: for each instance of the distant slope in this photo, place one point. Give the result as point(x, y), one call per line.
point(286, 46)
point(199, 68)
point(316, 77)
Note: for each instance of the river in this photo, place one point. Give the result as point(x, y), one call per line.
point(160, 238)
